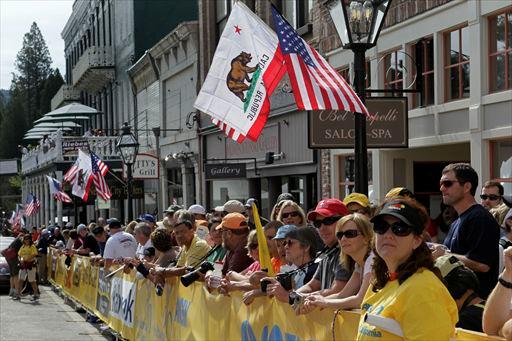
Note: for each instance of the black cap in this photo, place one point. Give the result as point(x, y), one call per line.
point(172, 209)
point(401, 210)
point(114, 223)
point(149, 252)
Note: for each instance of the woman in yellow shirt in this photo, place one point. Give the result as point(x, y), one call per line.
point(406, 300)
point(27, 257)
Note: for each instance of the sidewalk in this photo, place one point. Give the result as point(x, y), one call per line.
point(47, 319)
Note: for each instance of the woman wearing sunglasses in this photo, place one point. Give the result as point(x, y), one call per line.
point(291, 214)
point(406, 299)
point(355, 237)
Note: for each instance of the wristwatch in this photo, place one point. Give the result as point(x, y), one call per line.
point(506, 284)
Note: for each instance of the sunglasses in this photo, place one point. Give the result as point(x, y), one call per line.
point(288, 242)
point(448, 183)
point(347, 233)
point(491, 197)
point(290, 214)
point(398, 228)
point(326, 221)
point(253, 246)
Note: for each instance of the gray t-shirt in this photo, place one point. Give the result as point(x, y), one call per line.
point(330, 269)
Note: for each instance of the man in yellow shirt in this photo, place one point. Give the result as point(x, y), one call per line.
point(193, 248)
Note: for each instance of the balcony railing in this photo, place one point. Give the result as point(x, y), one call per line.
point(65, 149)
point(94, 69)
point(66, 93)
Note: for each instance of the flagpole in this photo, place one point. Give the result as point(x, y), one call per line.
point(116, 177)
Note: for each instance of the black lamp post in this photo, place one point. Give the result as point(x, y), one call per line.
point(358, 23)
point(128, 146)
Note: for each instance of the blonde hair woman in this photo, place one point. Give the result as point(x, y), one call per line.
point(291, 213)
point(356, 238)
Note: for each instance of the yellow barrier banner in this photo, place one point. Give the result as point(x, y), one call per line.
point(129, 304)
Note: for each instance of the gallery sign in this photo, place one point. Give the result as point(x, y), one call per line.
point(225, 171)
point(387, 127)
point(145, 167)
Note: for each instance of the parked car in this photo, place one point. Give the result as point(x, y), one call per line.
point(4, 267)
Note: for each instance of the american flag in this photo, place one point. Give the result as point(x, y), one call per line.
point(17, 220)
point(99, 169)
point(316, 85)
point(32, 205)
point(56, 190)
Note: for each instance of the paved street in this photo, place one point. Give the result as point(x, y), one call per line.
point(48, 319)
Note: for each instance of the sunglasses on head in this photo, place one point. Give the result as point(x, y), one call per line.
point(289, 214)
point(347, 234)
point(325, 221)
point(491, 197)
point(398, 228)
point(448, 183)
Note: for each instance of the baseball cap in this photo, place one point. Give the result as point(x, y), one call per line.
point(219, 209)
point(114, 223)
point(399, 192)
point(234, 206)
point(69, 225)
point(401, 210)
point(329, 208)
point(251, 201)
point(358, 198)
point(197, 209)
point(80, 227)
point(285, 196)
point(172, 209)
point(283, 231)
point(147, 217)
point(447, 263)
point(233, 221)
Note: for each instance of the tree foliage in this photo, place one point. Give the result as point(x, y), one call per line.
point(32, 88)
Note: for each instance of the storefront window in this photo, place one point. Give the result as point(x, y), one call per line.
point(174, 186)
point(224, 190)
point(501, 163)
point(423, 52)
point(394, 64)
point(456, 63)
point(346, 167)
point(500, 51)
point(295, 185)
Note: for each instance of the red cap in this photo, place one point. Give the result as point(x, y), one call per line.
point(329, 208)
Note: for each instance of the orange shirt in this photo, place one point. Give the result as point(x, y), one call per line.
point(276, 264)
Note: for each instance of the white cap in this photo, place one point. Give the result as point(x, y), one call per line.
point(80, 227)
point(197, 209)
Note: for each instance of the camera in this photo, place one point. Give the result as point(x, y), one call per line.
point(295, 299)
point(264, 283)
point(285, 279)
point(191, 277)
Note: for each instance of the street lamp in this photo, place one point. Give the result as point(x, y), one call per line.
point(358, 23)
point(128, 146)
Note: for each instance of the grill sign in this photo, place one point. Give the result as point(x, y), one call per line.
point(387, 128)
point(225, 171)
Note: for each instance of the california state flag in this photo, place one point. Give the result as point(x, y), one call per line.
point(246, 68)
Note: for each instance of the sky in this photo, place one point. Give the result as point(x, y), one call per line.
point(16, 17)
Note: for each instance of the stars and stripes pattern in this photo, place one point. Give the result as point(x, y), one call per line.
point(32, 205)
point(316, 85)
point(99, 170)
point(17, 221)
point(56, 190)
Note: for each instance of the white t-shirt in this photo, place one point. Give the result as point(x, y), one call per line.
point(142, 248)
point(367, 265)
point(120, 245)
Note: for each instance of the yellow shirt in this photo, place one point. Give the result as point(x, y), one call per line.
point(192, 255)
point(28, 253)
point(422, 306)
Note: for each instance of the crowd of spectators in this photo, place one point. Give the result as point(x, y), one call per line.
point(393, 262)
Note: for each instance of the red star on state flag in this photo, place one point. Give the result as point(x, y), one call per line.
point(237, 29)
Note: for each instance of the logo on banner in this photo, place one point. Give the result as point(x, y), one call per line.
point(122, 300)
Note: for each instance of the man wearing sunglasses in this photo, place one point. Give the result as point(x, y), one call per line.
point(492, 200)
point(330, 277)
point(473, 237)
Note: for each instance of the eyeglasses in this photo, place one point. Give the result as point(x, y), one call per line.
point(288, 242)
point(491, 197)
point(347, 233)
point(290, 214)
point(448, 183)
point(326, 221)
point(398, 228)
